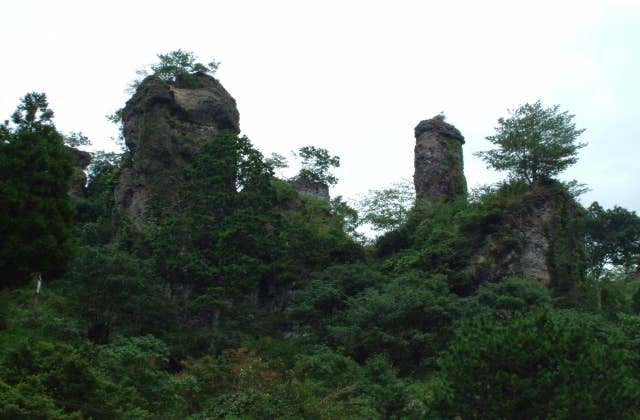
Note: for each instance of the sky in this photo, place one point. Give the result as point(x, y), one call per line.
point(354, 77)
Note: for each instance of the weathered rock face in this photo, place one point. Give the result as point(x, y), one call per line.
point(165, 125)
point(315, 188)
point(81, 161)
point(540, 239)
point(438, 162)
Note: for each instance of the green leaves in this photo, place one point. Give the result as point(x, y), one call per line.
point(33, 112)
point(76, 139)
point(317, 164)
point(534, 143)
point(543, 365)
point(179, 62)
point(172, 66)
point(389, 208)
point(362, 312)
point(35, 207)
point(613, 237)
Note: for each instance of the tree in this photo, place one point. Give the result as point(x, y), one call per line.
point(76, 139)
point(612, 239)
point(546, 364)
point(35, 207)
point(534, 143)
point(317, 164)
point(223, 239)
point(388, 208)
point(174, 64)
point(178, 62)
point(277, 162)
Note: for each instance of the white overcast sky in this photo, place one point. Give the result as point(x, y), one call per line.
point(352, 76)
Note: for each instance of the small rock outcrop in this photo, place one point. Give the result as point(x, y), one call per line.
point(438, 161)
point(315, 188)
point(539, 239)
point(164, 126)
point(81, 161)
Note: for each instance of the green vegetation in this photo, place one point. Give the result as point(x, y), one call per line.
point(548, 364)
point(35, 207)
point(76, 140)
point(316, 165)
point(240, 298)
point(534, 143)
point(172, 66)
point(387, 209)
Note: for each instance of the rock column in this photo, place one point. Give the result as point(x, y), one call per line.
point(438, 162)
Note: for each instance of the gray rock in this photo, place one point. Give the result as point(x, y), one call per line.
point(438, 161)
point(545, 242)
point(81, 161)
point(315, 188)
point(165, 125)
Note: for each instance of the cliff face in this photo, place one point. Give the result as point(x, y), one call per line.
point(540, 238)
point(165, 125)
point(438, 161)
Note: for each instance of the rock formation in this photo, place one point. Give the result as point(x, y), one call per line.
point(164, 125)
point(438, 162)
point(536, 237)
point(539, 239)
point(81, 161)
point(315, 188)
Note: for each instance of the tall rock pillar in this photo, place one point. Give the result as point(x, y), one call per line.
point(165, 126)
point(438, 162)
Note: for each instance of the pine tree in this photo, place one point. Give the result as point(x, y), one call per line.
point(35, 206)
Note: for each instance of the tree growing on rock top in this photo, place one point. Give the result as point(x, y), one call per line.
point(173, 65)
point(534, 143)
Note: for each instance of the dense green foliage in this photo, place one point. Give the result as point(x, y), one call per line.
point(240, 298)
point(613, 238)
point(549, 364)
point(534, 142)
point(35, 207)
point(316, 165)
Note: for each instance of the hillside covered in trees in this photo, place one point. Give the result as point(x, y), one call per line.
point(182, 278)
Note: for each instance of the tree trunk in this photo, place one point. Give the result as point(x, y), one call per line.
point(598, 296)
point(36, 298)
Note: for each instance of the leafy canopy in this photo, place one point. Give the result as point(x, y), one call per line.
point(76, 139)
point(534, 142)
point(388, 208)
point(33, 112)
point(35, 207)
point(546, 364)
point(174, 64)
point(612, 238)
point(317, 164)
point(178, 62)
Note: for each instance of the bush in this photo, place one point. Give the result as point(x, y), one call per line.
point(547, 364)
